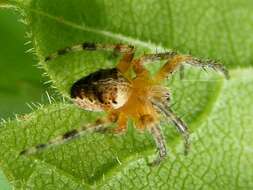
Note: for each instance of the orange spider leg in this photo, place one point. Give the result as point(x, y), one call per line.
point(174, 61)
point(170, 66)
point(121, 124)
point(125, 62)
point(138, 67)
point(138, 64)
point(178, 60)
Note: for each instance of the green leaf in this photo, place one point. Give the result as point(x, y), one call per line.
point(217, 111)
point(16, 88)
point(20, 81)
point(3, 3)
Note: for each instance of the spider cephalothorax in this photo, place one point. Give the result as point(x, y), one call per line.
point(140, 97)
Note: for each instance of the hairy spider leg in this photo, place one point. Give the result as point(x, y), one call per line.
point(87, 46)
point(179, 60)
point(147, 58)
point(121, 123)
point(157, 135)
point(138, 64)
point(174, 61)
point(124, 63)
point(176, 121)
point(148, 118)
point(99, 126)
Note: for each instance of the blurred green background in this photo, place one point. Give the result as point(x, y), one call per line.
point(20, 80)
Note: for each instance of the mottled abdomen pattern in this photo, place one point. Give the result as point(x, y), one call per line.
point(103, 89)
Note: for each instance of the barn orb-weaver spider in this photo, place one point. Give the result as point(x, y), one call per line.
point(141, 98)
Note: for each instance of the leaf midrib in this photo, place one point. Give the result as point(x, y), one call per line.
point(150, 45)
point(128, 39)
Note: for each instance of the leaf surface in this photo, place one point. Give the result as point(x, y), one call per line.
point(20, 80)
point(218, 112)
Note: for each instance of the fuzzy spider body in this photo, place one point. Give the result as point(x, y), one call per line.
point(139, 106)
point(141, 97)
point(108, 90)
point(103, 90)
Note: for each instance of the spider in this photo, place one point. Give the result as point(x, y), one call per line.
point(141, 97)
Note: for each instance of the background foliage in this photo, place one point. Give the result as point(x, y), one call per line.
point(218, 112)
point(20, 80)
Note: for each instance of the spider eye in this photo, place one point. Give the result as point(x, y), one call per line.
point(167, 96)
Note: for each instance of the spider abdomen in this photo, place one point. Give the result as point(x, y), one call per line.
point(103, 89)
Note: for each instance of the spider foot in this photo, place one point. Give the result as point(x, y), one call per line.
point(157, 160)
point(213, 64)
point(160, 145)
point(187, 144)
